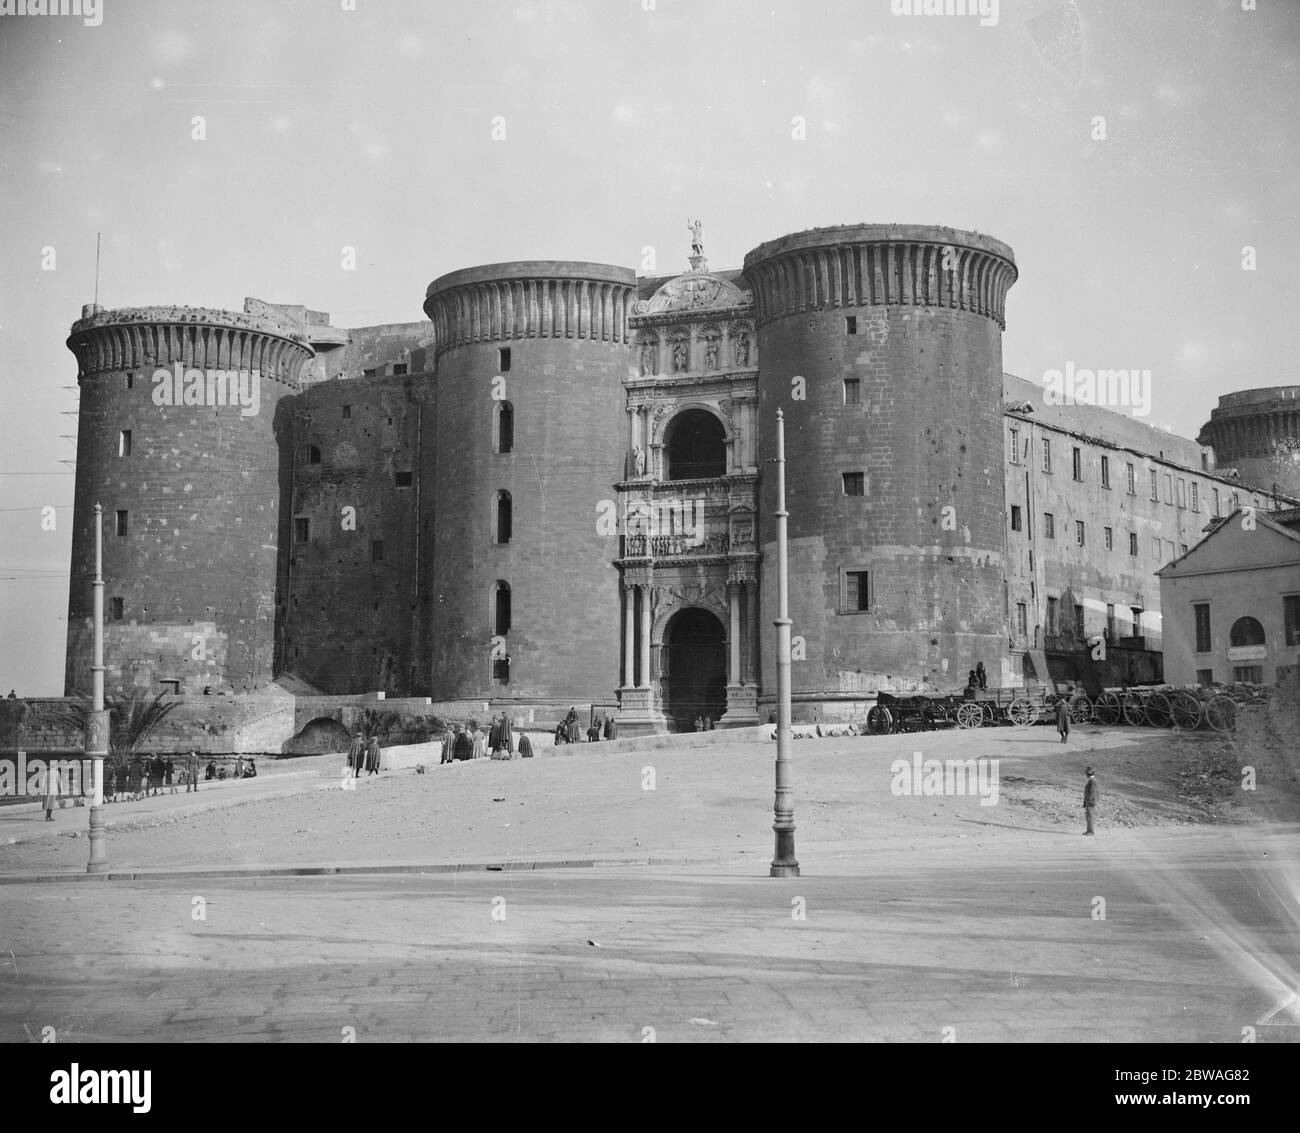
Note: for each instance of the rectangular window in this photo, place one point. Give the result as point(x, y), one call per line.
point(1109, 533)
point(347, 411)
point(851, 324)
point(1015, 446)
point(403, 479)
point(1136, 611)
point(1078, 622)
point(124, 443)
point(501, 669)
point(1132, 543)
point(855, 483)
point(1169, 488)
point(1155, 485)
point(1053, 616)
point(121, 523)
point(855, 592)
point(852, 391)
point(1049, 525)
point(1078, 532)
point(1015, 517)
point(503, 359)
point(1110, 621)
point(1182, 548)
point(1047, 454)
point(1169, 551)
point(1196, 496)
point(1022, 619)
point(130, 381)
point(1252, 673)
point(1205, 677)
point(1232, 501)
point(1291, 619)
point(1155, 549)
point(370, 373)
point(1132, 479)
point(1214, 498)
point(1076, 461)
point(1182, 492)
point(1105, 472)
point(301, 529)
point(116, 609)
point(1202, 613)
point(377, 551)
point(399, 368)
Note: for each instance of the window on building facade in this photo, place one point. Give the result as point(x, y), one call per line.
point(1049, 525)
point(855, 483)
point(851, 324)
point(1205, 677)
point(368, 373)
point(1169, 550)
point(1155, 549)
point(1254, 674)
point(503, 359)
point(376, 550)
point(1022, 619)
point(404, 479)
point(852, 391)
point(1155, 485)
point(1201, 611)
point(1182, 548)
point(1076, 461)
point(1053, 616)
point(1214, 501)
point(347, 411)
point(301, 529)
point(1078, 532)
point(116, 609)
point(1132, 543)
point(1047, 454)
point(1233, 501)
point(1246, 631)
point(1109, 534)
point(1015, 517)
point(1291, 619)
point(501, 670)
point(1182, 492)
point(130, 381)
point(120, 523)
point(124, 443)
point(1014, 436)
point(1078, 623)
point(1196, 496)
point(1105, 472)
point(504, 516)
point(1110, 621)
point(501, 608)
point(1132, 479)
point(855, 591)
point(505, 427)
point(1136, 612)
point(1169, 488)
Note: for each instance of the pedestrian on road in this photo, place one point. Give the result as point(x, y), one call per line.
point(525, 747)
point(372, 756)
point(356, 754)
point(448, 742)
point(1089, 798)
point(1063, 719)
point(51, 792)
point(611, 729)
point(192, 772)
point(480, 742)
point(169, 776)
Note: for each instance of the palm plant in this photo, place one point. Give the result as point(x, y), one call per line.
point(132, 719)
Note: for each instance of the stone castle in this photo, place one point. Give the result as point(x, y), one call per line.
point(557, 489)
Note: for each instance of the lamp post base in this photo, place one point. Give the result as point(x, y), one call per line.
point(98, 860)
point(784, 863)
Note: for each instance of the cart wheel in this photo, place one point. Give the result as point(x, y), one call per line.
point(879, 721)
point(1021, 712)
point(990, 714)
point(1080, 709)
point(1159, 710)
point(970, 715)
point(1133, 711)
point(1108, 709)
point(1221, 713)
point(1185, 710)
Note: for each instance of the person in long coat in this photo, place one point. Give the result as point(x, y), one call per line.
point(573, 730)
point(611, 729)
point(372, 756)
point(507, 736)
point(463, 749)
point(480, 743)
point(525, 747)
point(1063, 719)
point(448, 742)
point(494, 737)
point(356, 755)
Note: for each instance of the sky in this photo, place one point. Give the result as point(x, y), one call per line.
point(1128, 153)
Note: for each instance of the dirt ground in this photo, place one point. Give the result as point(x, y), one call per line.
point(701, 804)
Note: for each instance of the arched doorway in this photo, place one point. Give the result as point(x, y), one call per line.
point(696, 446)
point(694, 680)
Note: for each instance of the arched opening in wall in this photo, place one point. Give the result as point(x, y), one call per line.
point(310, 454)
point(1246, 631)
point(696, 446)
point(694, 679)
point(503, 517)
point(500, 608)
point(318, 737)
point(505, 438)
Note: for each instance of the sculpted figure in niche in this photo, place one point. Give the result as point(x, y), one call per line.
point(742, 349)
point(679, 357)
point(711, 354)
point(649, 359)
point(638, 461)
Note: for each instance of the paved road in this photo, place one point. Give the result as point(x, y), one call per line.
point(1196, 944)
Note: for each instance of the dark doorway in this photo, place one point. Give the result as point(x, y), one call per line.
point(696, 446)
point(695, 673)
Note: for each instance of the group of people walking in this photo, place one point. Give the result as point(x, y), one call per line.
point(467, 741)
point(365, 754)
point(570, 730)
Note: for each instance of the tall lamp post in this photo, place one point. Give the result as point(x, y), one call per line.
point(784, 863)
point(97, 723)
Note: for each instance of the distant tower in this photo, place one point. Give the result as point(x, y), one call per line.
point(530, 438)
point(1257, 431)
point(883, 345)
point(180, 438)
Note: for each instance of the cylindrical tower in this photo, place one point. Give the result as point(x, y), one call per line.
point(179, 437)
point(883, 344)
point(1257, 432)
point(529, 441)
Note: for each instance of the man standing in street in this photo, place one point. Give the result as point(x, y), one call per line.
point(1089, 798)
point(356, 754)
point(192, 772)
point(1063, 719)
point(372, 756)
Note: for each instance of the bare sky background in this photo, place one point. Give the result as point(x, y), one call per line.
point(372, 128)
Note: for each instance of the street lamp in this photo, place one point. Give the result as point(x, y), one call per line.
point(784, 863)
point(97, 722)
